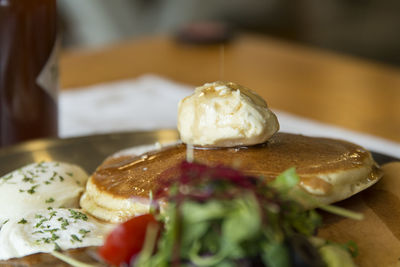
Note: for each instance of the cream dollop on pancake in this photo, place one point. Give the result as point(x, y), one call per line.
point(225, 114)
point(330, 170)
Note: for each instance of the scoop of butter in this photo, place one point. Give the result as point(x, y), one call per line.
point(225, 114)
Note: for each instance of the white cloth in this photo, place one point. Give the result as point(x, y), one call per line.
point(150, 102)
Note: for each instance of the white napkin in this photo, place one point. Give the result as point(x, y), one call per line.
point(150, 102)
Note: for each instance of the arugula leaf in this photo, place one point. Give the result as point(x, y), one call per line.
point(335, 256)
point(285, 181)
point(275, 255)
point(243, 221)
point(197, 212)
point(206, 260)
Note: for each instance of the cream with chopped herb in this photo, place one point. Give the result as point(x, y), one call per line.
point(40, 185)
point(50, 229)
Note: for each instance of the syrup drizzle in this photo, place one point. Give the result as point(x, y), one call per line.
point(221, 62)
point(189, 153)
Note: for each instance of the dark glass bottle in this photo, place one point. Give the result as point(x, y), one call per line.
point(28, 70)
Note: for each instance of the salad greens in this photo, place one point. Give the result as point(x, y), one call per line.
point(219, 217)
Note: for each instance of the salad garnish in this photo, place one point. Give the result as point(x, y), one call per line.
point(217, 216)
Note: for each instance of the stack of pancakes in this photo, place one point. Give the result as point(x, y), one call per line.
point(330, 170)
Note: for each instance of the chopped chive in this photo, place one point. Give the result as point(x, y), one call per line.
point(32, 189)
point(50, 200)
point(75, 238)
point(22, 221)
point(77, 215)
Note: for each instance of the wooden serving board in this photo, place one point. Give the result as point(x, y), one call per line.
point(378, 234)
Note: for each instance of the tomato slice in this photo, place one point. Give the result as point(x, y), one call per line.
point(126, 240)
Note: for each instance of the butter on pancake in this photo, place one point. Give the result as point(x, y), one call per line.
point(330, 170)
point(225, 114)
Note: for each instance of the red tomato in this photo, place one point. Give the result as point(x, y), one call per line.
point(126, 240)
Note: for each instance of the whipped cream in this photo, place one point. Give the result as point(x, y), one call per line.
point(225, 114)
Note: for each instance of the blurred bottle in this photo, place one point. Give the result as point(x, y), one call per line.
point(28, 70)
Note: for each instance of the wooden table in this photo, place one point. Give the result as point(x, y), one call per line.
point(332, 88)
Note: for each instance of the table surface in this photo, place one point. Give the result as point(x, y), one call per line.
point(337, 89)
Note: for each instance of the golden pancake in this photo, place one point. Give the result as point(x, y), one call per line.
point(330, 170)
